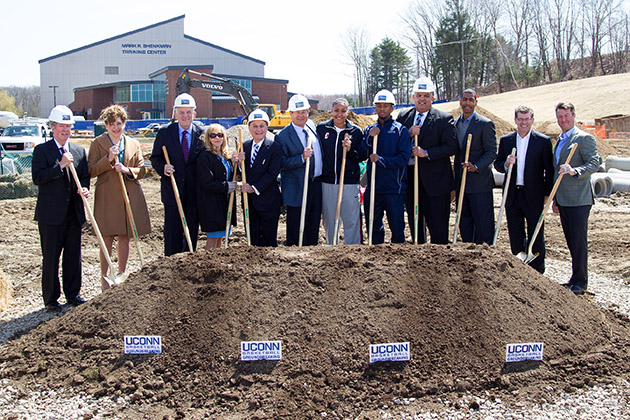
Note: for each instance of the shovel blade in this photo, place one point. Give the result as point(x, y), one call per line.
point(115, 279)
point(526, 258)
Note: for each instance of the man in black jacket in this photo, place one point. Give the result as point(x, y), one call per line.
point(437, 142)
point(530, 183)
point(477, 218)
point(183, 145)
point(59, 211)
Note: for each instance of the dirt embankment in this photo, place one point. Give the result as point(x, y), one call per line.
point(457, 306)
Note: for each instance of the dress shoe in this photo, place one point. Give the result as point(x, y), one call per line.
point(53, 307)
point(567, 285)
point(76, 301)
point(578, 290)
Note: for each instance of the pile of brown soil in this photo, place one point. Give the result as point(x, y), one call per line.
point(359, 119)
point(457, 306)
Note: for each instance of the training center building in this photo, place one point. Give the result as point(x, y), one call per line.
point(139, 70)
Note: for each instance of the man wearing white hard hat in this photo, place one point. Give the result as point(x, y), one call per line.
point(263, 160)
point(183, 145)
point(437, 142)
point(392, 155)
point(294, 140)
point(59, 210)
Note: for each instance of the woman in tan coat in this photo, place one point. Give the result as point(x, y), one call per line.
point(110, 154)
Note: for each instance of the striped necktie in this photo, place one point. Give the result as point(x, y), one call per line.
point(255, 148)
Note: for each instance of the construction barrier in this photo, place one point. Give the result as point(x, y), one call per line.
point(15, 176)
point(619, 135)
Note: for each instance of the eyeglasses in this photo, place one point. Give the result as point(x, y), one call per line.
point(215, 135)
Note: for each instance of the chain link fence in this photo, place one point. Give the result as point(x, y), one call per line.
point(15, 176)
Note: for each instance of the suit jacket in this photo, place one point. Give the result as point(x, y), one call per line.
point(292, 171)
point(577, 190)
point(538, 173)
point(110, 210)
point(212, 192)
point(483, 151)
point(56, 191)
point(439, 138)
point(263, 175)
point(184, 171)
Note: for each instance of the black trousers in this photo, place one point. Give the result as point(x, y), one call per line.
point(54, 239)
point(575, 227)
point(477, 220)
point(264, 226)
point(516, 216)
point(174, 238)
point(433, 212)
point(312, 219)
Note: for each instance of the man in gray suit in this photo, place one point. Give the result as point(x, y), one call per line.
point(574, 197)
point(477, 219)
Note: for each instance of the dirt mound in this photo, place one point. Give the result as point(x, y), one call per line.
point(502, 126)
point(359, 119)
point(458, 307)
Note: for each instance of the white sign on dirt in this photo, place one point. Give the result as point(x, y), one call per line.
point(524, 351)
point(143, 344)
point(389, 352)
point(261, 350)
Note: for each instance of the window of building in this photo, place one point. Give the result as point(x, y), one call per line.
point(247, 84)
point(111, 69)
point(123, 94)
point(142, 93)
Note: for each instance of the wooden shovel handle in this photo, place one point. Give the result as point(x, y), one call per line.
point(178, 200)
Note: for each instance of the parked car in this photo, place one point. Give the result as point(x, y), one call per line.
point(151, 128)
point(22, 137)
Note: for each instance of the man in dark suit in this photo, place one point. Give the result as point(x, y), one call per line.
point(182, 142)
point(294, 141)
point(574, 197)
point(437, 142)
point(477, 217)
point(59, 211)
point(262, 161)
point(530, 184)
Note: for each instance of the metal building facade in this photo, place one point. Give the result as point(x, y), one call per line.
point(132, 57)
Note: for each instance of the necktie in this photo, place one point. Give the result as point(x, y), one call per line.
point(254, 153)
point(418, 119)
point(185, 145)
point(312, 167)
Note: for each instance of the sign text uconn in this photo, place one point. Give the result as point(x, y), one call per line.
point(143, 344)
point(261, 350)
point(524, 351)
point(389, 352)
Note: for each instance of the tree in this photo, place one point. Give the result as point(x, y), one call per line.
point(27, 98)
point(355, 42)
point(389, 66)
point(7, 103)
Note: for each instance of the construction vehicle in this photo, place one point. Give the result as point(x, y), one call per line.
point(277, 119)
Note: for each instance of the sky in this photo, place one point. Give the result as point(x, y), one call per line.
point(299, 41)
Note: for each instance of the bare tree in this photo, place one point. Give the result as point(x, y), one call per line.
point(562, 25)
point(356, 44)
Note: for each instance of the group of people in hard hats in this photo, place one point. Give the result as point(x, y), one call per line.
point(408, 169)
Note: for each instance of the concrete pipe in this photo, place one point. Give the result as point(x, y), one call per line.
point(602, 185)
point(618, 172)
point(621, 182)
point(498, 178)
point(618, 163)
point(602, 167)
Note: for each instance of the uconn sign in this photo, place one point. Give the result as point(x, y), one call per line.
point(524, 351)
point(143, 344)
point(389, 352)
point(261, 350)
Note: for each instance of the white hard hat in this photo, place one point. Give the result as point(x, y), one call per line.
point(423, 85)
point(258, 115)
point(298, 102)
point(384, 96)
point(185, 100)
point(61, 114)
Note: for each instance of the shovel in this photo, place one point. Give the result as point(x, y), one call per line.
point(244, 179)
point(111, 278)
point(504, 199)
point(415, 194)
point(305, 192)
point(529, 257)
point(132, 222)
point(372, 193)
point(230, 205)
point(462, 189)
point(179, 203)
point(335, 240)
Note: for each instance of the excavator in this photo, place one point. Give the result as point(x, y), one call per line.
point(277, 119)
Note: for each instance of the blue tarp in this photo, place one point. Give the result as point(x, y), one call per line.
point(137, 124)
